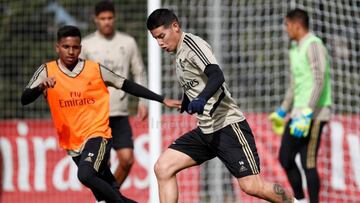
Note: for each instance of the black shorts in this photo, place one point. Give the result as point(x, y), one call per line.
point(121, 132)
point(234, 145)
point(96, 152)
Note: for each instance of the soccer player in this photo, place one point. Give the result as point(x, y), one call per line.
point(308, 98)
point(222, 130)
point(76, 93)
point(118, 52)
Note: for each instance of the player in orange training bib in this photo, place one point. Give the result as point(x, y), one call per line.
point(76, 92)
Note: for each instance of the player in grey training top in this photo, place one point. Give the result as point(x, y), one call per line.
point(119, 52)
point(222, 130)
point(193, 55)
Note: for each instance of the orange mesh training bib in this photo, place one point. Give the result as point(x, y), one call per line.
point(79, 105)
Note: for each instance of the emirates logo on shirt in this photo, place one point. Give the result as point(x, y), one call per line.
point(76, 100)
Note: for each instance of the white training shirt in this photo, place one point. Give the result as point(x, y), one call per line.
point(121, 55)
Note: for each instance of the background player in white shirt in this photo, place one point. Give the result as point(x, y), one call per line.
point(118, 52)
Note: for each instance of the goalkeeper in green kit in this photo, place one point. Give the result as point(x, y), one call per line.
point(308, 99)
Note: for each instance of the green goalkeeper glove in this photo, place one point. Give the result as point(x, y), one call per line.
point(299, 127)
point(277, 119)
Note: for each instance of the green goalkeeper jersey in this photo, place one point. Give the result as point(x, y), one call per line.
point(304, 78)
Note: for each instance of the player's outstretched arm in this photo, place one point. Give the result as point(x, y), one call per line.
point(141, 91)
point(29, 95)
point(172, 103)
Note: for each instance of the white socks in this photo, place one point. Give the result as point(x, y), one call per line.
point(300, 200)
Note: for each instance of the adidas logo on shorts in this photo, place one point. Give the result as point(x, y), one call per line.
point(242, 167)
point(89, 157)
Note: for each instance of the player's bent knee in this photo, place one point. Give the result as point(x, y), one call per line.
point(162, 170)
point(127, 163)
point(85, 174)
point(159, 169)
point(125, 154)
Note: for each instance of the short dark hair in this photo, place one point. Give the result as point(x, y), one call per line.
point(300, 16)
point(161, 17)
point(102, 6)
point(68, 31)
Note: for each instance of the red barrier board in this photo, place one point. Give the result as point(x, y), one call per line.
point(35, 170)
